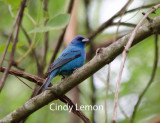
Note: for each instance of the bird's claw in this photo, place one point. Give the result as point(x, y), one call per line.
point(63, 77)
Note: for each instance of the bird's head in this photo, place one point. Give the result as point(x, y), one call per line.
point(79, 41)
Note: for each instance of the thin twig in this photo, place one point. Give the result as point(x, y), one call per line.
point(121, 108)
point(142, 7)
point(46, 37)
point(93, 99)
point(124, 54)
point(31, 19)
point(118, 25)
point(8, 41)
point(124, 24)
point(20, 15)
point(121, 15)
point(119, 105)
point(123, 112)
point(108, 22)
point(60, 39)
point(33, 51)
point(150, 81)
point(23, 82)
point(138, 9)
point(14, 64)
point(87, 16)
point(107, 89)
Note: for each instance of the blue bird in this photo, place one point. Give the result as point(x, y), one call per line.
point(71, 58)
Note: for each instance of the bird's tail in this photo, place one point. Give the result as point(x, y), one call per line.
point(48, 81)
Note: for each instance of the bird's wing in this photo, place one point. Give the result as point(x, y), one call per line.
point(64, 58)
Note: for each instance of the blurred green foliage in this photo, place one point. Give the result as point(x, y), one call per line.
point(57, 22)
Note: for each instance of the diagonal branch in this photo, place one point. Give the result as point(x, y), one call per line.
point(124, 55)
point(23, 82)
point(8, 41)
point(103, 57)
point(20, 15)
point(30, 77)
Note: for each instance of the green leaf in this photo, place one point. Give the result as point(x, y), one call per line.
point(20, 44)
point(14, 3)
point(57, 22)
point(2, 47)
point(13, 6)
point(41, 29)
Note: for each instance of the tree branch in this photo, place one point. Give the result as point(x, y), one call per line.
point(30, 77)
point(103, 57)
point(124, 55)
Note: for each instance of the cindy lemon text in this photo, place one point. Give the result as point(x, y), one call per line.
point(57, 107)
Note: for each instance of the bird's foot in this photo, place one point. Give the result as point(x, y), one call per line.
point(63, 77)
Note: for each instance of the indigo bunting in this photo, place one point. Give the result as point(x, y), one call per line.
point(71, 58)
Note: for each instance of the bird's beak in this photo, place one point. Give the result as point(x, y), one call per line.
point(85, 40)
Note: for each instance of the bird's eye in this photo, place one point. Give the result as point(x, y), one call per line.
point(80, 39)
